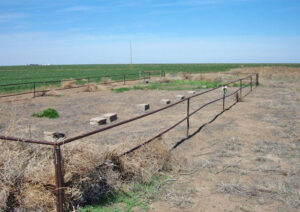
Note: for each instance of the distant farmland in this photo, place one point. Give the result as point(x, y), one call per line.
point(23, 74)
point(19, 74)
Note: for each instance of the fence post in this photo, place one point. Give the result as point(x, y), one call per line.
point(149, 75)
point(34, 90)
point(59, 181)
point(224, 101)
point(160, 74)
point(188, 118)
point(124, 78)
point(257, 83)
point(251, 82)
point(241, 88)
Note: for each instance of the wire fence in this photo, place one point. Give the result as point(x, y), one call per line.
point(39, 88)
point(239, 93)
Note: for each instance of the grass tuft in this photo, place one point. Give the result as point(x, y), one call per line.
point(48, 113)
point(137, 197)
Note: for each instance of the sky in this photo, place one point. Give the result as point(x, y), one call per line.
point(161, 31)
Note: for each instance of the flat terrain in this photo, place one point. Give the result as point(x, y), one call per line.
point(19, 74)
point(246, 160)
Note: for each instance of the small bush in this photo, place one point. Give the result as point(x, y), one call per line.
point(48, 113)
point(121, 90)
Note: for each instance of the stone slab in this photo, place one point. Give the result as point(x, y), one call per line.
point(191, 92)
point(98, 121)
point(165, 101)
point(143, 107)
point(110, 117)
point(179, 97)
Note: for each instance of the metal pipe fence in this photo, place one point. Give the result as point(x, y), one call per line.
point(33, 86)
point(59, 184)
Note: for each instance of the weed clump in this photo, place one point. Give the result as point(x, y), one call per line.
point(48, 113)
point(28, 180)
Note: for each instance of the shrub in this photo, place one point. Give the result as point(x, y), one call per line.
point(48, 113)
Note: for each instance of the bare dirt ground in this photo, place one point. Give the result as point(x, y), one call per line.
point(246, 160)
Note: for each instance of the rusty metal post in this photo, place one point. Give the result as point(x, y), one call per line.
point(34, 90)
point(188, 118)
point(59, 181)
point(257, 83)
point(241, 88)
point(251, 82)
point(224, 101)
point(124, 76)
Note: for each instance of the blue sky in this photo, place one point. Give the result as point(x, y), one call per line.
point(178, 31)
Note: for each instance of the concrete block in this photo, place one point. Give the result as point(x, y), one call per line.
point(204, 86)
point(110, 117)
point(143, 107)
point(179, 97)
point(97, 121)
point(165, 101)
point(191, 92)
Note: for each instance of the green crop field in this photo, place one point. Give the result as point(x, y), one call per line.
point(21, 74)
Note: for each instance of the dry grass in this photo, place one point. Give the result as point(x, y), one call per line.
point(106, 80)
point(27, 173)
point(94, 87)
point(285, 192)
point(53, 93)
point(69, 84)
point(271, 72)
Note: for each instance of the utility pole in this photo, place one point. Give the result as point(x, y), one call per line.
point(130, 55)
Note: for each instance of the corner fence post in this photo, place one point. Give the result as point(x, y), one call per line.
point(34, 90)
point(257, 83)
point(124, 78)
point(188, 118)
point(59, 181)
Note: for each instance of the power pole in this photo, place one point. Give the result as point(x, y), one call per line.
point(130, 55)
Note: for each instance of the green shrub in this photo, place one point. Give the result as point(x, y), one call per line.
point(48, 113)
point(121, 90)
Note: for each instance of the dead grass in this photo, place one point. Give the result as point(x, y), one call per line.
point(27, 173)
point(283, 191)
point(53, 93)
point(94, 87)
point(69, 84)
point(106, 80)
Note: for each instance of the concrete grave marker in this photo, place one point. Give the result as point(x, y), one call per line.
point(143, 107)
point(165, 101)
point(97, 121)
point(110, 117)
point(179, 97)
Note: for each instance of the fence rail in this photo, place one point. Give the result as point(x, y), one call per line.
point(33, 86)
point(57, 145)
